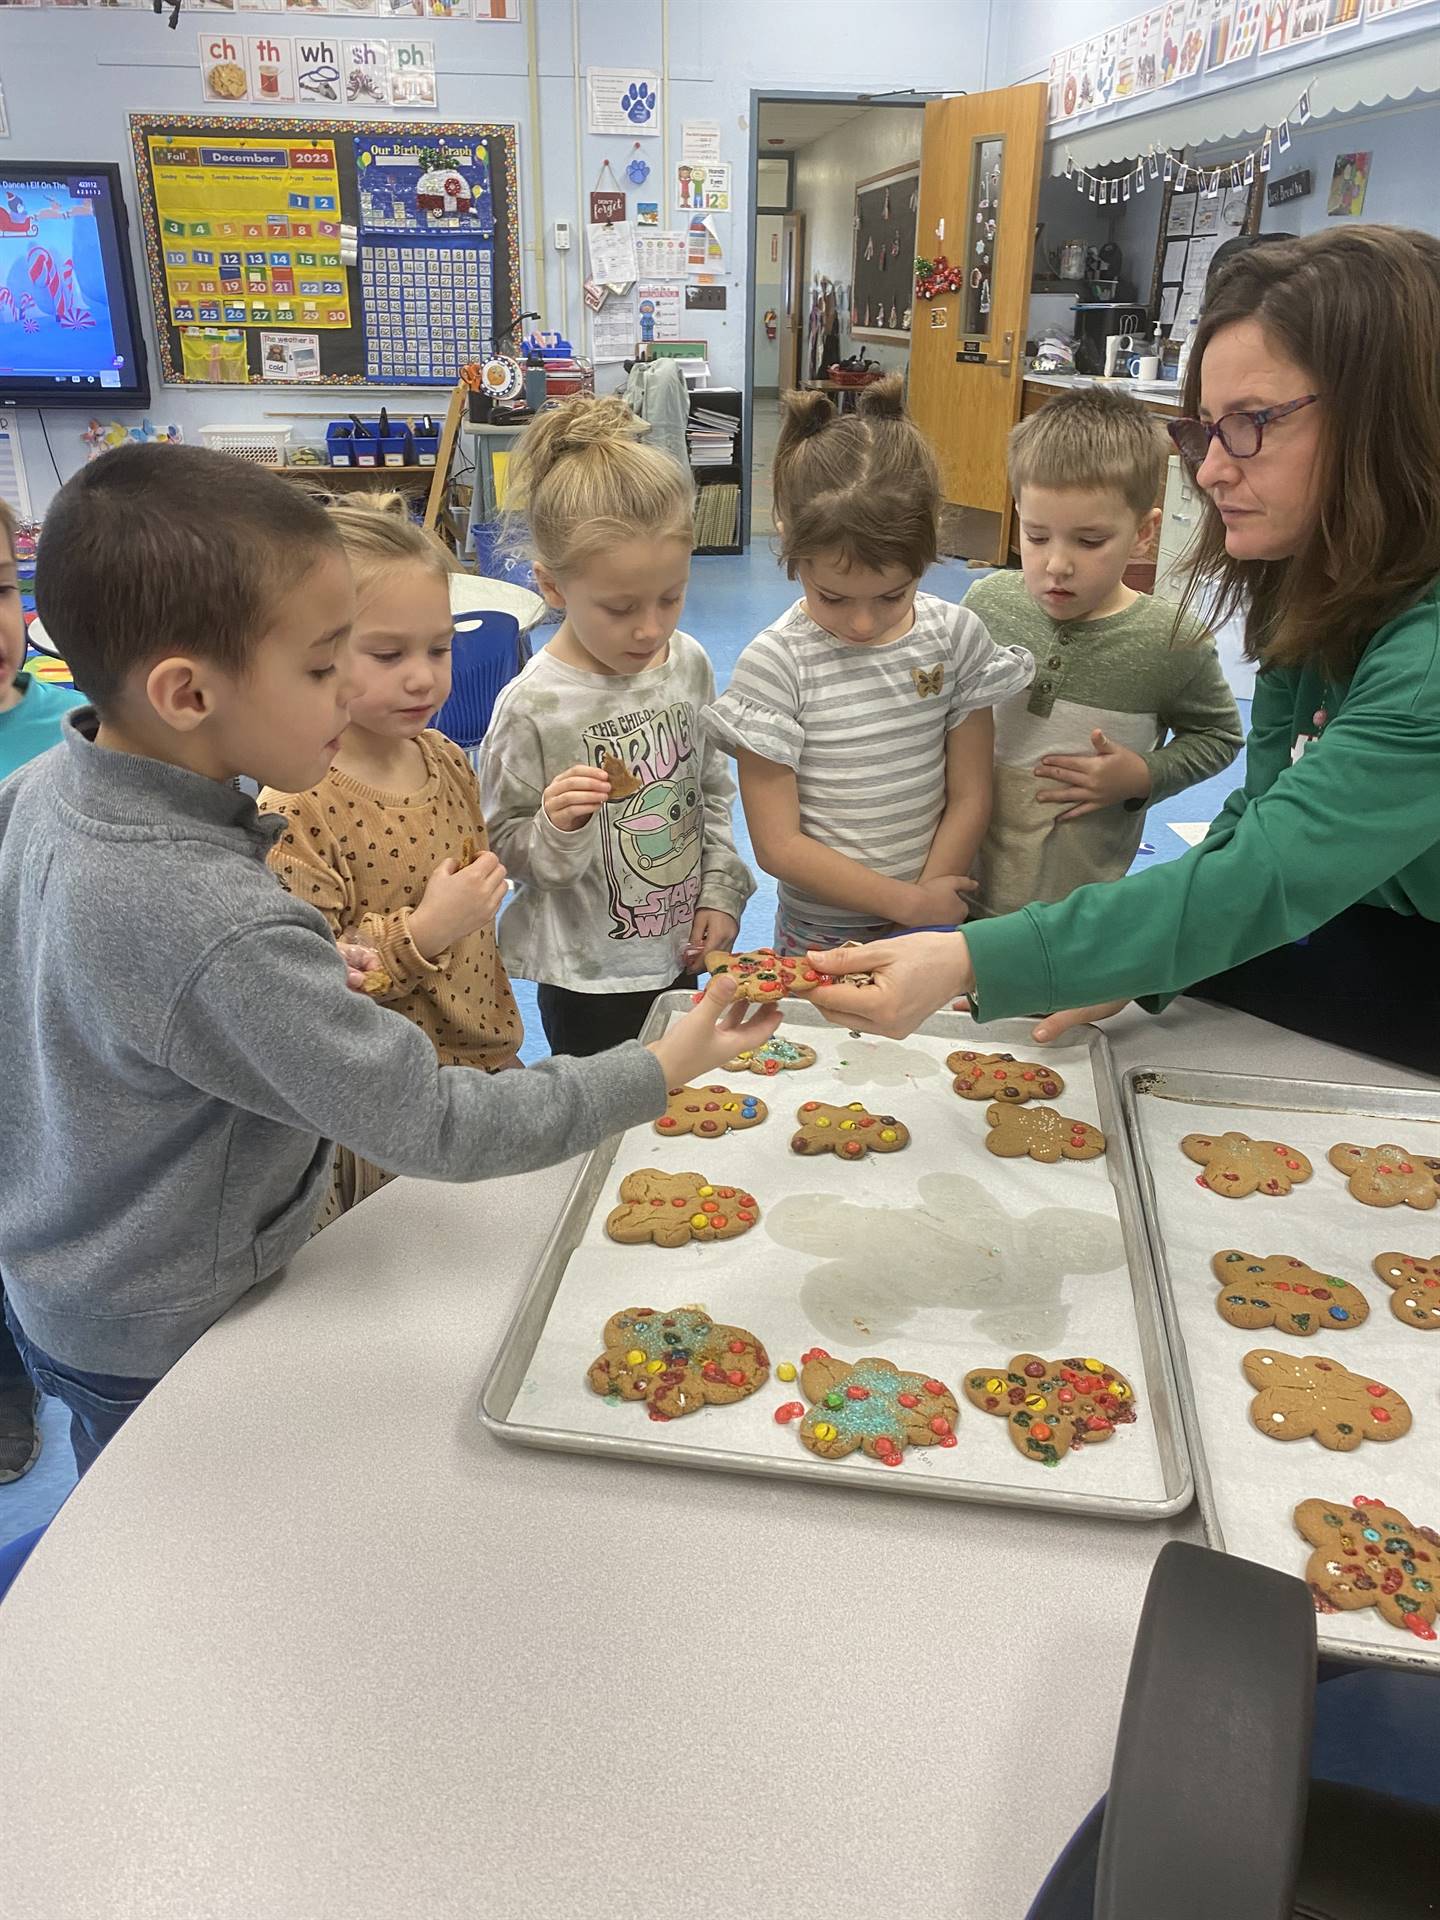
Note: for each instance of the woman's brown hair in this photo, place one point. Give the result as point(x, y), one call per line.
point(863, 484)
point(1359, 313)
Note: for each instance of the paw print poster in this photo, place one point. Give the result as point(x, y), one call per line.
point(623, 100)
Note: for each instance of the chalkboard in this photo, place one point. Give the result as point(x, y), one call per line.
point(245, 221)
point(883, 273)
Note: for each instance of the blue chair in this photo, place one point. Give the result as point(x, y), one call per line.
point(1220, 1807)
point(489, 652)
point(13, 1557)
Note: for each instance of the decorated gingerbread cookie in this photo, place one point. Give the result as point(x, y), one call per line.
point(872, 1404)
point(623, 784)
point(1000, 1076)
point(775, 1056)
point(1280, 1291)
point(1415, 1288)
point(1042, 1133)
point(677, 1361)
point(1369, 1555)
point(376, 982)
point(1236, 1165)
point(848, 1132)
point(1053, 1406)
point(1297, 1395)
point(673, 1208)
point(767, 975)
point(709, 1111)
point(1388, 1176)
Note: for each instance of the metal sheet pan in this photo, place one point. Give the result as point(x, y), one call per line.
point(942, 1258)
point(1247, 1485)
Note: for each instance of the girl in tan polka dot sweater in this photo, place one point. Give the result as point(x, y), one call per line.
point(391, 845)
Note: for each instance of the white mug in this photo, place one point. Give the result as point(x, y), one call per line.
point(1145, 366)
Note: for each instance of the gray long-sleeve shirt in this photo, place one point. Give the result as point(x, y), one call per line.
point(179, 1048)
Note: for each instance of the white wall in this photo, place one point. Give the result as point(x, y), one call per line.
point(768, 259)
point(70, 77)
point(825, 175)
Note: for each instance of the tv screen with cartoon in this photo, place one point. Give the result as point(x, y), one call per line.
point(69, 324)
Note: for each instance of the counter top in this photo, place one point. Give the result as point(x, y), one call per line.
point(308, 1641)
point(1162, 396)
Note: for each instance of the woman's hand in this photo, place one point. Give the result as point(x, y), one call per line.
point(914, 978)
point(1054, 1024)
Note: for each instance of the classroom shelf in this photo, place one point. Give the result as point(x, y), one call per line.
point(333, 479)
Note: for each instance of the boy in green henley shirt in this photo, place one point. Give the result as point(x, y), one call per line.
point(1126, 707)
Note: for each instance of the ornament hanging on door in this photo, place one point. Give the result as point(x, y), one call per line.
point(895, 248)
point(870, 248)
point(867, 313)
point(885, 205)
point(915, 200)
point(985, 296)
point(638, 169)
point(884, 256)
point(894, 317)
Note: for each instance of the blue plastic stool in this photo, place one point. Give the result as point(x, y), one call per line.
point(13, 1557)
point(488, 653)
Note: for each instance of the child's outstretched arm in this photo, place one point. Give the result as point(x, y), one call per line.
point(543, 832)
point(969, 789)
point(726, 883)
point(772, 810)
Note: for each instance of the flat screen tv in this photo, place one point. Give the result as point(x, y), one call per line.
point(69, 322)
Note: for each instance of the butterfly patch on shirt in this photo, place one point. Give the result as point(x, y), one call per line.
point(928, 680)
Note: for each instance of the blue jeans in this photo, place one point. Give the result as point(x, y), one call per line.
point(99, 1403)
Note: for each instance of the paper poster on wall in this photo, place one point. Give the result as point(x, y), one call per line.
point(429, 306)
point(1193, 38)
point(623, 100)
point(661, 256)
point(1348, 183)
point(408, 187)
point(700, 143)
point(366, 65)
point(658, 309)
point(289, 356)
point(702, 189)
point(270, 63)
point(704, 252)
point(223, 76)
point(1174, 267)
point(1246, 23)
point(614, 329)
point(1169, 297)
point(1180, 218)
point(612, 253)
point(647, 213)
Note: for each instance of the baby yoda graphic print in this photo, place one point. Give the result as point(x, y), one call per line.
point(651, 841)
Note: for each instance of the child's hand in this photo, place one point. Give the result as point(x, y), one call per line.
point(573, 796)
point(939, 902)
point(713, 1032)
point(710, 932)
point(358, 962)
point(457, 904)
point(1089, 781)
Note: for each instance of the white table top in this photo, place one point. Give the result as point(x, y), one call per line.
point(308, 1642)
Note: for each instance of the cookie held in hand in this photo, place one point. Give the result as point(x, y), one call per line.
point(1000, 1076)
point(1052, 1407)
point(1415, 1284)
point(775, 1056)
point(1369, 1555)
point(1299, 1395)
point(709, 1111)
point(1235, 1165)
point(1042, 1133)
point(848, 1132)
point(767, 975)
point(1280, 1291)
point(1388, 1176)
point(623, 783)
point(674, 1208)
point(871, 1404)
point(678, 1361)
point(376, 982)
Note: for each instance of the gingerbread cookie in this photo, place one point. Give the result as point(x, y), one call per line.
point(1279, 1291)
point(767, 975)
point(1053, 1406)
point(1415, 1284)
point(1295, 1397)
point(1042, 1133)
point(623, 783)
point(677, 1361)
point(1000, 1076)
point(1369, 1555)
point(376, 982)
point(848, 1132)
point(775, 1056)
point(1388, 1176)
point(873, 1405)
point(467, 855)
point(673, 1208)
point(709, 1111)
point(1236, 1165)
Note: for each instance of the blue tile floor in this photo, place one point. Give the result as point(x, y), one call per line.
point(731, 599)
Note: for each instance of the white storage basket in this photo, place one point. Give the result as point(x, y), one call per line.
point(263, 446)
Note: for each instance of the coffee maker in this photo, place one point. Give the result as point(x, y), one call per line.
point(1098, 323)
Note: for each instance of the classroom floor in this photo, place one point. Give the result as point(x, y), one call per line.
point(731, 598)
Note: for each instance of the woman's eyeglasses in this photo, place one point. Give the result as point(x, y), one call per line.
point(1241, 434)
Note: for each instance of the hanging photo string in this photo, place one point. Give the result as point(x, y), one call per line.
point(1157, 164)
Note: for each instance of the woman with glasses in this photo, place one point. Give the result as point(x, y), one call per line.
point(1313, 397)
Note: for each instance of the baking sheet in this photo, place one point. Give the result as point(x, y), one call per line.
point(941, 1258)
point(1248, 1485)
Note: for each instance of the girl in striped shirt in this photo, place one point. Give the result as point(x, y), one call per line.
point(860, 720)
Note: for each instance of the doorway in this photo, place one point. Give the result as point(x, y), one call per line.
point(811, 154)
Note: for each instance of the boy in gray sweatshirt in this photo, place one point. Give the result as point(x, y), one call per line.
point(185, 1048)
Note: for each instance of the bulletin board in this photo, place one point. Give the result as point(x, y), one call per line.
point(331, 252)
point(883, 274)
point(1194, 225)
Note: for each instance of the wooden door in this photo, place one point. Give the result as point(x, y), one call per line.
point(792, 299)
point(980, 177)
